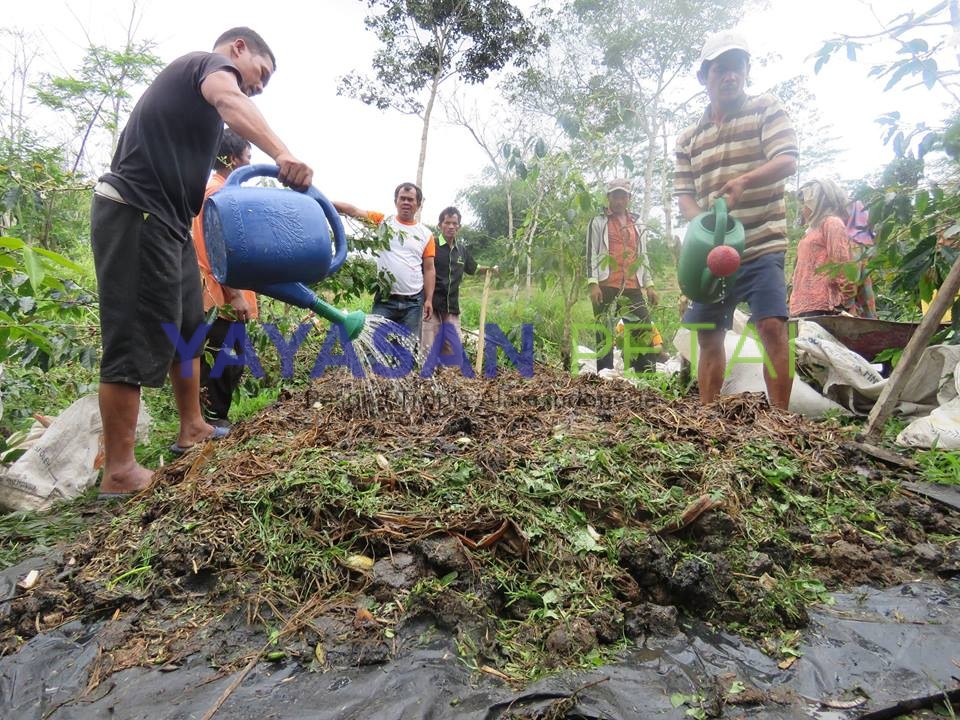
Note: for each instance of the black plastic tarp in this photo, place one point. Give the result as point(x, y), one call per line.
point(884, 645)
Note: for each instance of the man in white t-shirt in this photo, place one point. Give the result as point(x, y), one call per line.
point(409, 259)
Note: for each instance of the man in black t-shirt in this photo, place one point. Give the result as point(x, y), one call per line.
point(142, 209)
point(453, 259)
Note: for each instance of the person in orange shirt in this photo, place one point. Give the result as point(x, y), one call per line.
point(618, 267)
point(232, 305)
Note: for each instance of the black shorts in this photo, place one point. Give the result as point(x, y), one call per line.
point(147, 275)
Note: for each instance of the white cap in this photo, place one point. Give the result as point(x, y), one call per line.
point(718, 43)
point(619, 184)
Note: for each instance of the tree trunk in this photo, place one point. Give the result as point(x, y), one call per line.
point(510, 231)
point(115, 128)
point(86, 135)
point(503, 174)
point(570, 298)
point(529, 244)
point(955, 19)
point(667, 195)
point(526, 245)
point(515, 251)
point(427, 111)
point(509, 209)
point(648, 168)
point(19, 83)
point(529, 252)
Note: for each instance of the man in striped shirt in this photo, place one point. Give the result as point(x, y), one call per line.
point(743, 148)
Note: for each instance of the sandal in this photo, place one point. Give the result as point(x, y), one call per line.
point(218, 434)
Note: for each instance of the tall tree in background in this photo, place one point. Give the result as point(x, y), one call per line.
point(34, 174)
point(43, 198)
point(426, 42)
point(511, 139)
point(99, 92)
point(619, 76)
point(22, 50)
point(816, 138)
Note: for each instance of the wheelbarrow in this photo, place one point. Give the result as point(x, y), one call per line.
point(866, 337)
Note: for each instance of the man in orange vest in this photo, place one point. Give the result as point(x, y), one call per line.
point(233, 305)
point(618, 268)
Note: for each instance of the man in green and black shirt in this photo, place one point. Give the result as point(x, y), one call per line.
point(453, 259)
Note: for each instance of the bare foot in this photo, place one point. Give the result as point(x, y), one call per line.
point(131, 479)
point(193, 434)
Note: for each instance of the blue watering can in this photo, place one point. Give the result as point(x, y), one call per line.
point(273, 241)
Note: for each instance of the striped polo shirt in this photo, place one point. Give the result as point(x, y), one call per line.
point(709, 155)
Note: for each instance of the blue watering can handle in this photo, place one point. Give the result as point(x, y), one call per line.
point(720, 228)
point(248, 172)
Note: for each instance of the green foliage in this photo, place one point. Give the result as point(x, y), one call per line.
point(41, 202)
point(359, 275)
point(428, 41)
point(46, 321)
point(488, 203)
point(915, 204)
point(610, 79)
point(98, 93)
point(660, 252)
point(545, 310)
point(36, 303)
point(940, 466)
point(551, 236)
point(918, 52)
point(23, 533)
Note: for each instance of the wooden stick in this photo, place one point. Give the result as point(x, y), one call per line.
point(890, 395)
point(289, 625)
point(481, 335)
point(241, 676)
point(907, 706)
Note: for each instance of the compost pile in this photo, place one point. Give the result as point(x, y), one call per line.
point(545, 521)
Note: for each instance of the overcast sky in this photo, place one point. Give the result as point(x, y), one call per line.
point(359, 154)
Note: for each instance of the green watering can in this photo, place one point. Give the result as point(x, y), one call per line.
point(710, 256)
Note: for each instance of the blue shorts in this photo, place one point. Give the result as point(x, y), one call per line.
point(760, 283)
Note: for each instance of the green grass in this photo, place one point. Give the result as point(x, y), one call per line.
point(940, 466)
point(545, 309)
point(29, 533)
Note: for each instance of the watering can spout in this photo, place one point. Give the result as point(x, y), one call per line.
point(351, 322)
point(300, 295)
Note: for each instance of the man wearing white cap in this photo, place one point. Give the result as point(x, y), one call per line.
point(743, 148)
point(617, 266)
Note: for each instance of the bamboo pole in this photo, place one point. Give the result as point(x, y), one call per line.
point(481, 335)
point(890, 395)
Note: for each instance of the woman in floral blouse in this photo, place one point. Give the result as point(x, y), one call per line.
point(819, 290)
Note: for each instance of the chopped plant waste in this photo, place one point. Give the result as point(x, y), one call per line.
point(547, 522)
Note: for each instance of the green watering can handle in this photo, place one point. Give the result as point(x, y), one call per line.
point(720, 228)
